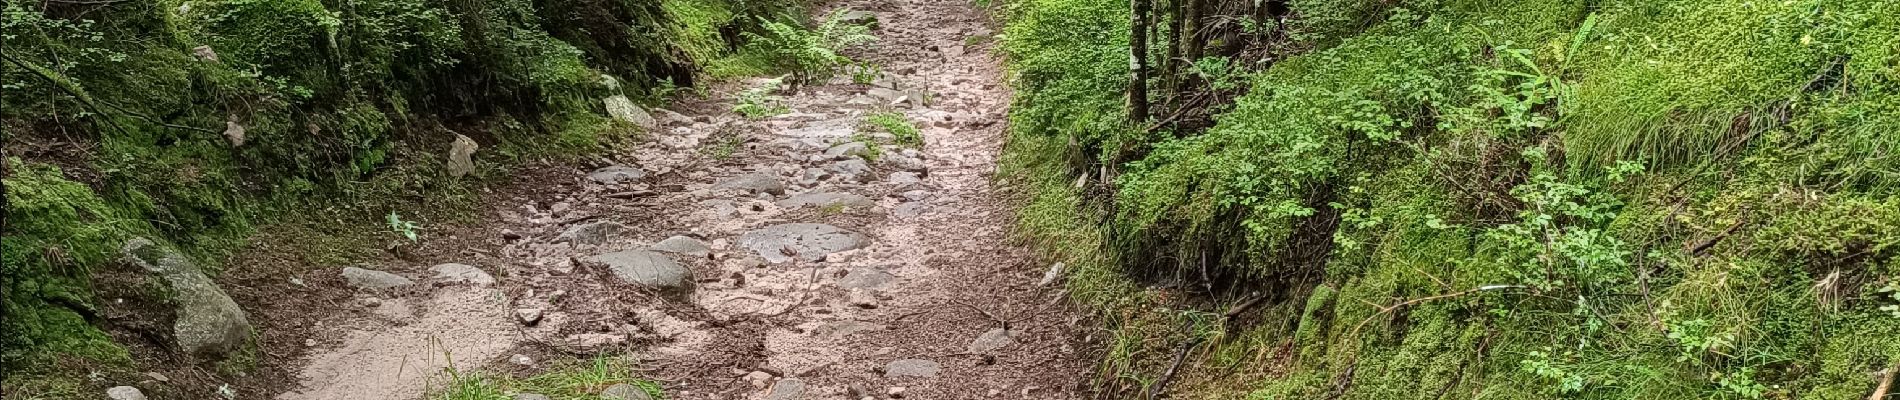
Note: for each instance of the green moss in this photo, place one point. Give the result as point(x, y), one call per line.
point(1583, 161)
point(56, 230)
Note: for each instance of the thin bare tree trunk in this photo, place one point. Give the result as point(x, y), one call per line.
point(1171, 67)
point(1138, 62)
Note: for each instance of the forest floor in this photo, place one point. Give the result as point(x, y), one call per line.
point(725, 257)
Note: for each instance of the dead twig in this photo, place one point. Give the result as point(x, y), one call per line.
point(1699, 248)
point(1180, 356)
point(1388, 309)
point(986, 313)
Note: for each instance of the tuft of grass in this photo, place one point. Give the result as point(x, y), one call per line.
point(900, 127)
point(573, 380)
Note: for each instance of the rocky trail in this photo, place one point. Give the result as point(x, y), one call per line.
point(787, 257)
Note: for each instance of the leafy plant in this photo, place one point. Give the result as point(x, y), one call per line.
point(865, 72)
point(901, 128)
point(405, 228)
point(810, 55)
point(758, 102)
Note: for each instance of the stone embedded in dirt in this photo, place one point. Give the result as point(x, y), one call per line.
point(992, 340)
point(753, 183)
point(454, 273)
point(917, 195)
point(758, 378)
point(530, 396)
point(1055, 272)
point(158, 376)
point(682, 245)
point(839, 329)
point(125, 393)
point(528, 316)
point(848, 150)
point(521, 360)
point(861, 299)
point(865, 278)
point(887, 96)
point(815, 174)
point(903, 162)
point(623, 109)
point(613, 174)
point(624, 391)
point(853, 170)
point(669, 117)
point(904, 177)
point(908, 210)
point(808, 241)
point(368, 279)
point(912, 367)
point(592, 233)
point(208, 323)
point(827, 199)
point(787, 389)
point(645, 268)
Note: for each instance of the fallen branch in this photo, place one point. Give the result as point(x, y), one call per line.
point(1257, 299)
point(986, 313)
point(1699, 248)
point(1886, 382)
point(1179, 357)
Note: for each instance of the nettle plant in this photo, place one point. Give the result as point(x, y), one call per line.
point(810, 55)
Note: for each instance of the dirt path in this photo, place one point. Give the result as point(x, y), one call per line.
point(751, 258)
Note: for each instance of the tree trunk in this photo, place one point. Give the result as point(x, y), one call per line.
point(1138, 62)
point(1171, 67)
point(1191, 42)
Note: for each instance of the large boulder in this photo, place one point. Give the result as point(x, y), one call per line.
point(811, 242)
point(207, 322)
point(645, 268)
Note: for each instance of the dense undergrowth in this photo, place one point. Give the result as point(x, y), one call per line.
point(196, 121)
point(1688, 199)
